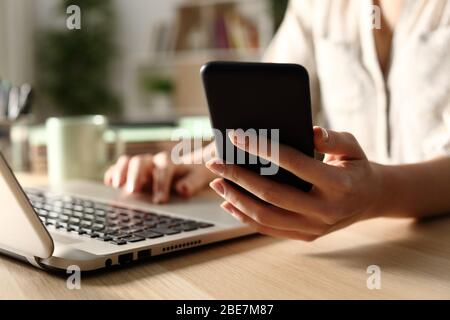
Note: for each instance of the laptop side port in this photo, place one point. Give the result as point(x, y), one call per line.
point(126, 258)
point(143, 254)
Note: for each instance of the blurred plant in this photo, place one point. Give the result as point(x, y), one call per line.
point(278, 10)
point(74, 65)
point(158, 85)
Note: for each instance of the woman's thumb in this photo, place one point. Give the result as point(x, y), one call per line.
point(337, 143)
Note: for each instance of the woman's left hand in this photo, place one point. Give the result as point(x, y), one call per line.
point(346, 188)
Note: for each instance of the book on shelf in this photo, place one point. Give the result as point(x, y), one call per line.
point(210, 27)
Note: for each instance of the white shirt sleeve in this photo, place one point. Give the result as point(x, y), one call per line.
point(294, 43)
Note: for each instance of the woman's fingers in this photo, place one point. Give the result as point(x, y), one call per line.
point(303, 166)
point(107, 179)
point(139, 173)
point(267, 215)
point(238, 214)
point(342, 144)
point(119, 174)
point(163, 172)
point(191, 183)
point(283, 196)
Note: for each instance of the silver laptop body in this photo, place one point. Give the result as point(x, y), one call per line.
point(50, 228)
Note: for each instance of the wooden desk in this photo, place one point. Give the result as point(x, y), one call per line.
point(414, 259)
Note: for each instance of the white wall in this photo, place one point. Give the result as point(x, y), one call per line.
point(16, 49)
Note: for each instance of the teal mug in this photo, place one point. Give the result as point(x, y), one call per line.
point(77, 148)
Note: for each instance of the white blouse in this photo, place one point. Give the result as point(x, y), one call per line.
point(402, 118)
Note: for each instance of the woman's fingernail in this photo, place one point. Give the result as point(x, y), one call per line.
point(116, 183)
point(233, 135)
point(183, 189)
point(226, 208)
point(216, 167)
point(159, 197)
point(218, 187)
point(130, 188)
point(230, 210)
point(325, 135)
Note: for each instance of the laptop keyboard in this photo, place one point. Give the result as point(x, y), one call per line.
point(109, 223)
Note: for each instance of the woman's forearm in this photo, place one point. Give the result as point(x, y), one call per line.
point(416, 190)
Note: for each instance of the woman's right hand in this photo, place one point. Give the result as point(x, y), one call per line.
point(158, 174)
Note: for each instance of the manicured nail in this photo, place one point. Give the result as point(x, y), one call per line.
point(130, 188)
point(183, 189)
point(233, 136)
point(240, 138)
point(218, 187)
point(227, 207)
point(216, 167)
point(325, 135)
point(159, 197)
point(116, 183)
point(235, 215)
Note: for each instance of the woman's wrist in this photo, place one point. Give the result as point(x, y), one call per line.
point(386, 192)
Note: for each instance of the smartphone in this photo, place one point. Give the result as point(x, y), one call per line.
point(266, 98)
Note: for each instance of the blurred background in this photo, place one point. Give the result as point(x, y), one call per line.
point(135, 61)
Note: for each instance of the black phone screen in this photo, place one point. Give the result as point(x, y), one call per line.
point(266, 98)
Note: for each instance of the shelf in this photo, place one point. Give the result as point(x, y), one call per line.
point(188, 57)
point(209, 3)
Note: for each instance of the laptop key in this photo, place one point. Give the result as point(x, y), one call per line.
point(68, 206)
point(134, 239)
point(42, 213)
point(77, 214)
point(89, 210)
point(124, 220)
point(149, 234)
point(64, 217)
point(118, 242)
point(122, 236)
point(99, 220)
point(99, 233)
point(57, 203)
point(98, 227)
point(149, 224)
point(100, 212)
point(67, 212)
point(112, 228)
point(57, 209)
point(86, 230)
point(73, 228)
point(86, 223)
point(78, 208)
point(61, 225)
point(186, 227)
point(88, 217)
point(166, 231)
point(88, 203)
point(136, 229)
point(53, 214)
point(74, 220)
point(51, 222)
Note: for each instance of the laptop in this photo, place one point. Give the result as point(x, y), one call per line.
point(91, 226)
